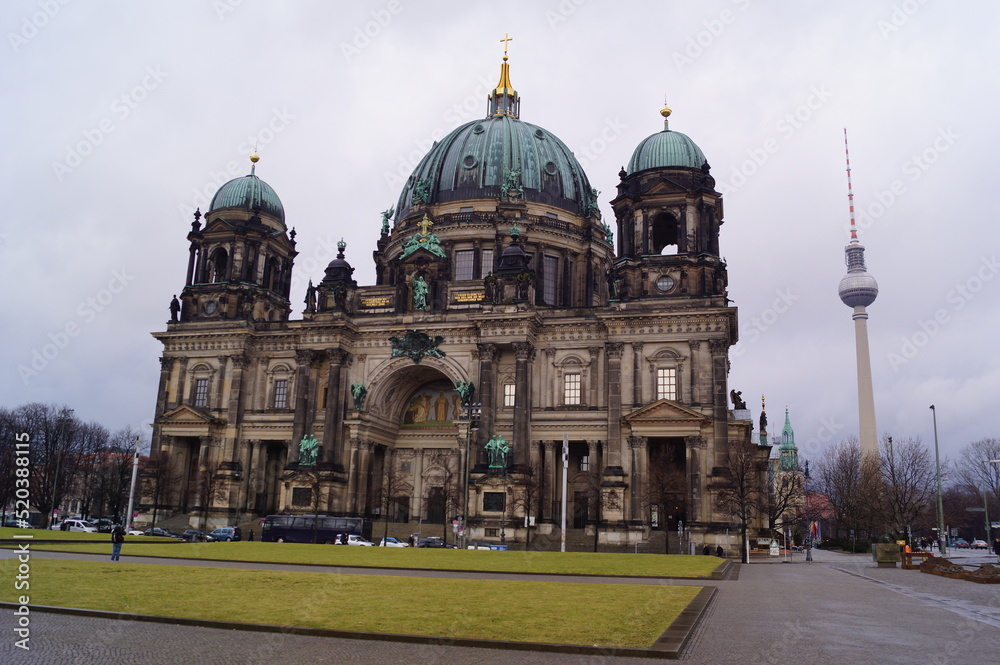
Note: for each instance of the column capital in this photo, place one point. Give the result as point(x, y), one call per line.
point(719, 347)
point(240, 360)
point(614, 349)
point(336, 356)
point(696, 442)
point(595, 351)
point(523, 350)
point(167, 363)
point(694, 344)
point(487, 351)
point(637, 441)
point(303, 356)
point(637, 346)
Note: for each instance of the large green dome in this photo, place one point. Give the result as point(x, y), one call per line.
point(666, 149)
point(474, 159)
point(248, 193)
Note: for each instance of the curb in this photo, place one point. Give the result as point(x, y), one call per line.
point(668, 645)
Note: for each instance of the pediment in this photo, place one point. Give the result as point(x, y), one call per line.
point(665, 411)
point(663, 186)
point(187, 415)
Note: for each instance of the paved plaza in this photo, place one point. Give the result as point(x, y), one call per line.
point(840, 609)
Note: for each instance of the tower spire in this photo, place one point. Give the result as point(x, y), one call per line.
point(504, 100)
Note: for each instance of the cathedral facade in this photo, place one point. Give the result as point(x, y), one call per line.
point(506, 318)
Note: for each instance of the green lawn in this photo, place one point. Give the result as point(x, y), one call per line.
point(577, 563)
point(555, 612)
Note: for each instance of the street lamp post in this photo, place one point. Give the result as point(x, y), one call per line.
point(942, 536)
point(472, 412)
point(809, 533)
point(64, 415)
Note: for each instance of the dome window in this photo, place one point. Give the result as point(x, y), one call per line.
point(478, 129)
point(550, 168)
point(539, 134)
point(469, 161)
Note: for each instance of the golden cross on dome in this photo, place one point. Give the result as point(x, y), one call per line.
point(424, 224)
point(506, 38)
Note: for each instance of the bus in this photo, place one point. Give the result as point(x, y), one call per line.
point(300, 528)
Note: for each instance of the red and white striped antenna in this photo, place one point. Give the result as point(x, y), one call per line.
point(850, 192)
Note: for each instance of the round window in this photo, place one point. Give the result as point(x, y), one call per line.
point(665, 283)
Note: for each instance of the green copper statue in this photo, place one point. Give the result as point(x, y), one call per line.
point(465, 390)
point(420, 289)
point(497, 449)
point(359, 391)
point(308, 450)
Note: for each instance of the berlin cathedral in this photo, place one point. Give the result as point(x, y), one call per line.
point(513, 344)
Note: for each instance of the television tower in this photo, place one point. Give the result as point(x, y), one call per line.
point(857, 290)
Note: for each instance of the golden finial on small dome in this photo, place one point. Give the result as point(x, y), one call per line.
point(255, 158)
point(665, 112)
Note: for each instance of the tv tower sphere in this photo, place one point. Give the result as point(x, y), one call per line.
point(857, 287)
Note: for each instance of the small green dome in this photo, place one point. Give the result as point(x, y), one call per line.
point(248, 193)
point(666, 149)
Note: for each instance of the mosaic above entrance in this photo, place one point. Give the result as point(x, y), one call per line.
point(435, 404)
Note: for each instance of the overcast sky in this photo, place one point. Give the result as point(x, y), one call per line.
point(121, 118)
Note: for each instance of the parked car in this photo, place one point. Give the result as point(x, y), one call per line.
point(134, 532)
point(354, 539)
point(960, 543)
point(80, 526)
point(103, 524)
point(196, 536)
point(163, 533)
point(979, 544)
point(478, 545)
point(389, 541)
point(226, 533)
point(16, 523)
point(434, 541)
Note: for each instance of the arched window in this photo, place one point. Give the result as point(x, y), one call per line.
point(217, 265)
point(666, 234)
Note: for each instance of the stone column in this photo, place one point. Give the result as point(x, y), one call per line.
point(613, 353)
point(695, 447)
point(547, 390)
point(192, 251)
point(487, 368)
point(352, 476)
point(180, 397)
point(636, 374)
point(692, 391)
point(720, 395)
point(258, 465)
point(364, 472)
point(550, 489)
point(234, 407)
point(523, 352)
point(418, 482)
point(333, 422)
point(593, 401)
point(303, 359)
point(166, 367)
point(638, 448)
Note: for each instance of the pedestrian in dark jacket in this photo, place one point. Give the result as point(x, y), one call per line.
point(117, 538)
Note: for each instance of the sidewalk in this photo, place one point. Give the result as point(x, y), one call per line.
point(842, 608)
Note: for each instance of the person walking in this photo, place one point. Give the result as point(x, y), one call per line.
point(117, 538)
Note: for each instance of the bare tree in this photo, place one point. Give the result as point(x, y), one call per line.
point(210, 488)
point(526, 498)
point(906, 484)
point(8, 462)
point(665, 483)
point(742, 495)
point(52, 433)
point(852, 484)
point(158, 480)
point(783, 500)
point(393, 487)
